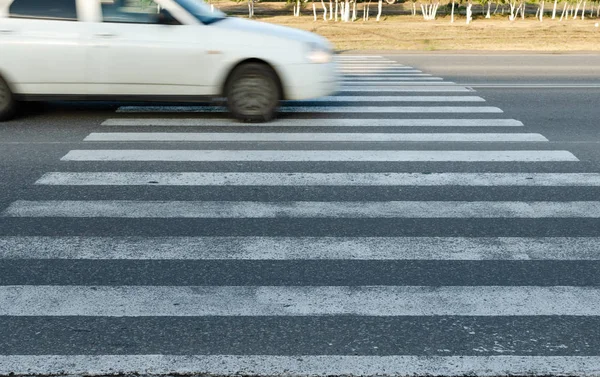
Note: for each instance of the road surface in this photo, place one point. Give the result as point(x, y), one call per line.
point(429, 219)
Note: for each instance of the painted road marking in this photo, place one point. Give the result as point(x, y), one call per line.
point(319, 179)
point(198, 122)
point(390, 99)
point(301, 248)
point(299, 365)
point(389, 80)
point(321, 109)
point(318, 155)
point(290, 209)
point(402, 88)
point(314, 137)
point(231, 301)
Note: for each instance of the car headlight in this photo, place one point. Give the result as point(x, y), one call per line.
point(319, 54)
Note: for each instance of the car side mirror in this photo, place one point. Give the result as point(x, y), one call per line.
point(165, 18)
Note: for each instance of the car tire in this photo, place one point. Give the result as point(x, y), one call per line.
point(8, 104)
point(253, 93)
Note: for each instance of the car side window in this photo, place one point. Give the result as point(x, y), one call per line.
point(135, 12)
point(62, 10)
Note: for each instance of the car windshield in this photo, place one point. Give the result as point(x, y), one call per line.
point(202, 11)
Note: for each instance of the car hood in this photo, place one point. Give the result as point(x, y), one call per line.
point(234, 23)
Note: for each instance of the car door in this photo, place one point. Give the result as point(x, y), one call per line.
point(133, 52)
point(41, 50)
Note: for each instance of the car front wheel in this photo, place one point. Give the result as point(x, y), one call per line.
point(7, 101)
point(253, 93)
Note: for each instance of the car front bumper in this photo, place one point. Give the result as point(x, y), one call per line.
point(307, 81)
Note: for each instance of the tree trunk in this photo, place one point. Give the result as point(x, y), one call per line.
point(513, 14)
point(324, 10)
point(583, 10)
point(336, 10)
point(523, 11)
point(489, 15)
point(542, 4)
point(249, 8)
point(347, 11)
point(452, 14)
point(469, 12)
point(554, 9)
point(497, 5)
point(379, 6)
point(563, 12)
point(314, 11)
point(577, 9)
point(354, 11)
point(331, 9)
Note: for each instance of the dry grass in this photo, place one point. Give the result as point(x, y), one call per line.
point(407, 33)
point(398, 32)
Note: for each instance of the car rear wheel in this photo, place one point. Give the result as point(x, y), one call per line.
point(7, 101)
point(253, 93)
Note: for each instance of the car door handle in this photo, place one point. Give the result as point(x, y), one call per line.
point(5, 31)
point(105, 35)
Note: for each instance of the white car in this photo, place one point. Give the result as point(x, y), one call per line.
point(155, 50)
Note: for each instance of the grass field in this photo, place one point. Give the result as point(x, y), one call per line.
point(401, 32)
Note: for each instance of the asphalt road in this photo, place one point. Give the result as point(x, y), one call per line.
point(400, 235)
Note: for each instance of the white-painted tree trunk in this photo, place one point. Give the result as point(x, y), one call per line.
point(577, 9)
point(314, 11)
point(469, 12)
point(414, 9)
point(348, 10)
point(330, 9)
point(513, 13)
point(542, 5)
point(497, 6)
point(250, 8)
point(336, 10)
point(297, 9)
point(354, 11)
point(583, 10)
point(564, 12)
point(452, 14)
point(554, 9)
point(379, 6)
point(489, 14)
point(324, 10)
point(523, 11)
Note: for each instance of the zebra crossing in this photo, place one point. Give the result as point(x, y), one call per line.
point(316, 285)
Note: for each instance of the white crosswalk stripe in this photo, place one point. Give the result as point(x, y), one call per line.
point(258, 210)
point(316, 137)
point(324, 109)
point(326, 365)
point(297, 301)
point(319, 179)
point(392, 99)
point(432, 87)
point(426, 122)
point(458, 273)
point(301, 248)
point(316, 155)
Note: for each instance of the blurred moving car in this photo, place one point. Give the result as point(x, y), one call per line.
point(155, 50)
